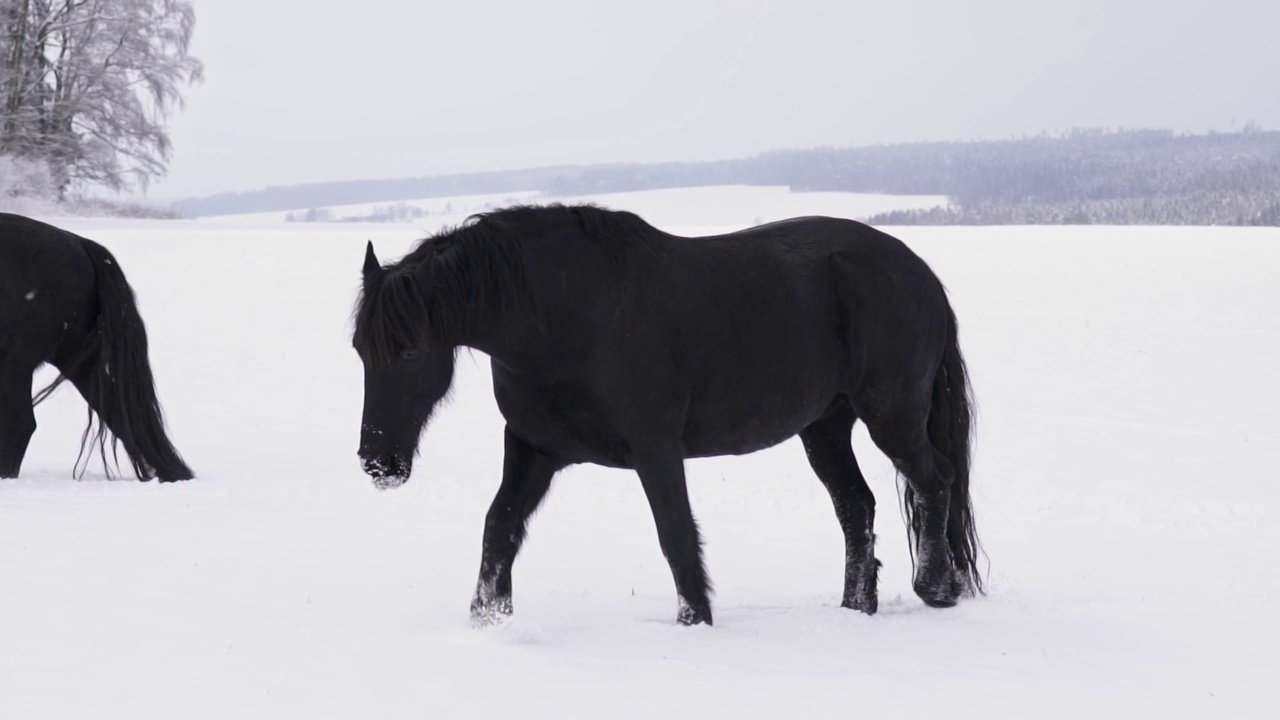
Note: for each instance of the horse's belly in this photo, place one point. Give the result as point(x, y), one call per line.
point(738, 427)
point(583, 425)
point(737, 444)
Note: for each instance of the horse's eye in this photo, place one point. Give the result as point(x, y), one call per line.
point(410, 354)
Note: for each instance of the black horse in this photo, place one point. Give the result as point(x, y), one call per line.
point(617, 344)
point(64, 301)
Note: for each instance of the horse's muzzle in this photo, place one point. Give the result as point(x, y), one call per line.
point(387, 472)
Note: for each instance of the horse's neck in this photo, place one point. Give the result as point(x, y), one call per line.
point(500, 339)
point(543, 320)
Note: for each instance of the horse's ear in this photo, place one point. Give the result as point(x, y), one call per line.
point(371, 264)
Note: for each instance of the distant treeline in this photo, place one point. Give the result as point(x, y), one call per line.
point(1084, 176)
point(1198, 208)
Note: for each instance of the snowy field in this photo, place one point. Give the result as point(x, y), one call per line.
point(1125, 489)
point(700, 210)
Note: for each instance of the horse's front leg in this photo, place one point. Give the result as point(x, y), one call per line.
point(526, 477)
point(662, 475)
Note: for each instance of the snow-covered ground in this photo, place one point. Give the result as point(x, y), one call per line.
point(1125, 488)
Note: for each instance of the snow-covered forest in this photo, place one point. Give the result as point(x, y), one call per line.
point(1146, 177)
point(1149, 177)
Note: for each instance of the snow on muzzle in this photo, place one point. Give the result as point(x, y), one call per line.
point(386, 472)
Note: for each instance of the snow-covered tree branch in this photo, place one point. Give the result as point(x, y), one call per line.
point(87, 86)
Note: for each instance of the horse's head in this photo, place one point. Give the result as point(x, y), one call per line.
point(406, 372)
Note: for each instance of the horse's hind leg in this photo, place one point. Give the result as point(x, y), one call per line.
point(899, 429)
point(526, 477)
point(828, 443)
point(662, 476)
point(17, 417)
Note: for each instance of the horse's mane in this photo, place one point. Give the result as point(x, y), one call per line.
point(461, 276)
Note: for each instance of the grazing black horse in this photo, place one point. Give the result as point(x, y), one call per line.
point(64, 301)
point(617, 344)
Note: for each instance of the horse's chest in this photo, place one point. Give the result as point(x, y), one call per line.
point(562, 419)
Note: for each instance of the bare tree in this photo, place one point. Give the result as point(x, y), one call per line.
point(88, 85)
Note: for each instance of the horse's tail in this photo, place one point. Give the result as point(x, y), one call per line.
point(113, 372)
point(950, 430)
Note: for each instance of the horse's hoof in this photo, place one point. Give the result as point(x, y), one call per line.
point(691, 615)
point(941, 593)
point(493, 612)
point(868, 603)
point(860, 588)
point(939, 602)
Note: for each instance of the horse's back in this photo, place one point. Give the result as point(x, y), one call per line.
point(46, 285)
point(785, 317)
point(33, 249)
point(893, 309)
point(813, 260)
point(812, 237)
point(744, 331)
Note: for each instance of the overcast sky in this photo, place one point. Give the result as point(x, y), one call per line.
point(314, 90)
